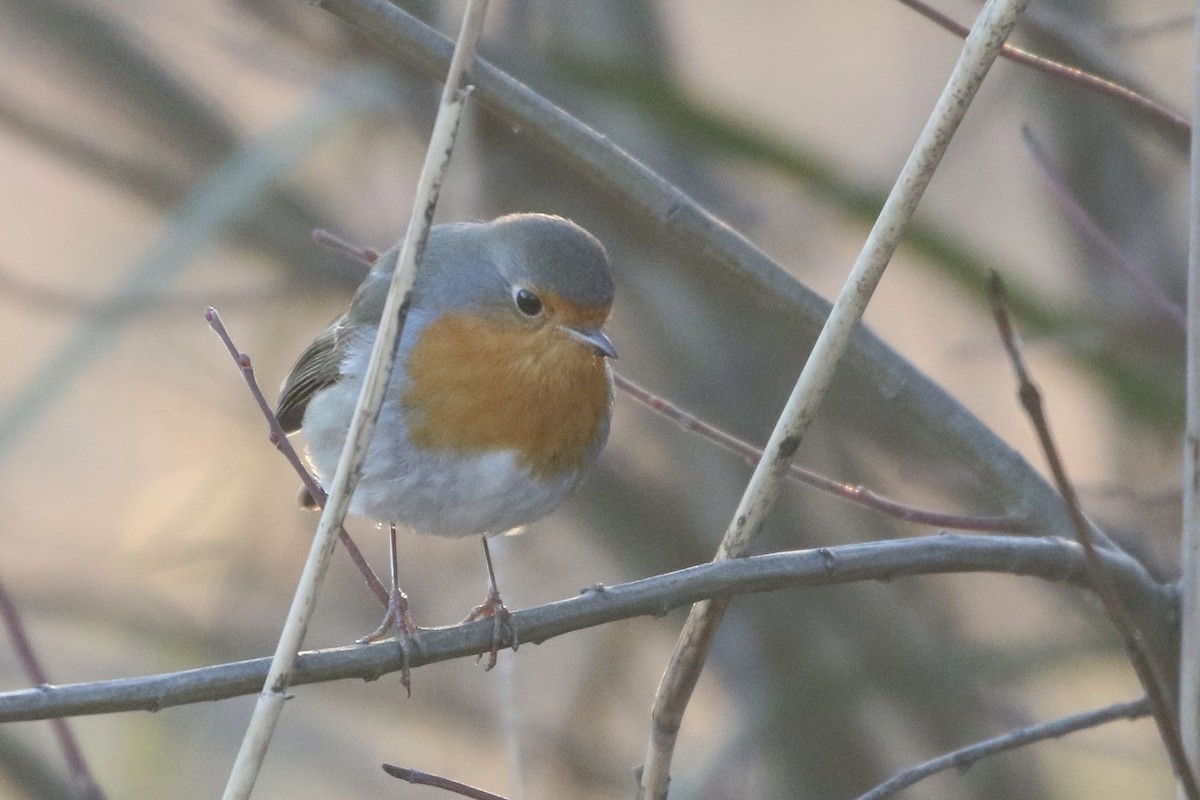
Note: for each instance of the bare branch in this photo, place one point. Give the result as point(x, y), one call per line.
point(1167, 117)
point(1050, 559)
point(992, 27)
point(419, 778)
point(1093, 233)
point(860, 495)
point(284, 445)
point(1147, 666)
point(81, 776)
point(963, 758)
point(366, 411)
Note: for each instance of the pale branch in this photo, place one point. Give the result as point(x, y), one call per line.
point(963, 758)
point(1158, 112)
point(859, 495)
point(1048, 558)
point(284, 445)
point(366, 410)
point(993, 25)
point(908, 393)
point(1143, 659)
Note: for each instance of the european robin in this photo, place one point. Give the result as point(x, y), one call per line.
point(500, 395)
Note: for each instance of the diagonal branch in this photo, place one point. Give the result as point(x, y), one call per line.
point(1051, 559)
point(963, 758)
point(1167, 117)
point(284, 446)
point(81, 775)
point(366, 411)
point(418, 778)
point(1145, 664)
point(859, 495)
point(992, 27)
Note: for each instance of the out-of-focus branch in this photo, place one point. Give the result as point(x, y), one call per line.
point(1189, 581)
point(85, 784)
point(1094, 234)
point(1050, 559)
point(963, 758)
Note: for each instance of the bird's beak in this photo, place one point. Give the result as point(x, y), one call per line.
point(594, 338)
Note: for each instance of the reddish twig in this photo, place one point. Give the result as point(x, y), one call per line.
point(278, 438)
point(1149, 672)
point(85, 783)
point(854, 494)
point(427, 779)
point(331, 240)
point(1167, 116)
point(1092, 231)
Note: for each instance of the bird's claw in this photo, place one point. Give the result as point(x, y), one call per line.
point(503, 628)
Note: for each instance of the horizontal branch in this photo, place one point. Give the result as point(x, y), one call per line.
point(1050, 559)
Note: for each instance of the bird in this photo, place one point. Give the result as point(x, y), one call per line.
point(499, 398)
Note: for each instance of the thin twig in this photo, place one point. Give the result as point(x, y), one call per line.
point(84, 783)
point(329, 239)
point(962, 759)
point(1169, 117)
point(860, 495)
point(1093, 233)
point(1052, 559)
point(366, 412)
point(284, 445)
point(1144, 662)
point(437, 781)
point(995, 22)
point(1189, 581)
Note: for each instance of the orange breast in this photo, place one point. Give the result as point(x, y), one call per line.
point(478, 385)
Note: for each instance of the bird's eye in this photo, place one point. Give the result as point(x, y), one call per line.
point(528, 303)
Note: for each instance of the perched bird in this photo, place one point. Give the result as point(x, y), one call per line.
point(500, 395)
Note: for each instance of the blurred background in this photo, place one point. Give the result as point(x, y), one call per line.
point(160, 157)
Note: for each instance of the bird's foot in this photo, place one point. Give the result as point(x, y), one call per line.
point(396, 618)
point(502, 624)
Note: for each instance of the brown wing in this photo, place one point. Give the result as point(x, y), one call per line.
point(317, 367)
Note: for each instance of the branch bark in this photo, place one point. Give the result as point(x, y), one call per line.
point(1050, 559)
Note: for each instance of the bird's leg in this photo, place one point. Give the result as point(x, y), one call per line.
point(396, 616)
point(493, 606)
